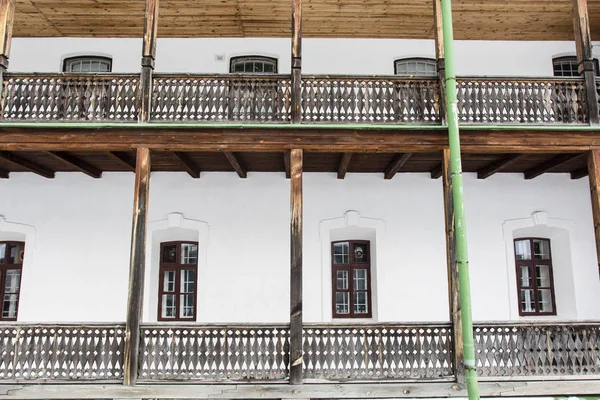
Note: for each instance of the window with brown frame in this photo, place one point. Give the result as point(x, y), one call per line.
point(87, 64)
point(351, 279)
point(535, 282)
point(11, 266)
point(177, 282)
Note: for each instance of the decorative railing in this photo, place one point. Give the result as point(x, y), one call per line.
point(256, 98)
point(375, 100)
point(522, 101)
point(69, 97)
point(537, 350)
point(380, 352)
point(214, 353)
point(65, 352)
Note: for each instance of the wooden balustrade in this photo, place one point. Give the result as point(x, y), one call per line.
point(70, 97)
point(380, 352)
point(214, 353)
point(522, 101)
point(65, 352)
point(252, 98)
point(376, 100)
point(537, 349)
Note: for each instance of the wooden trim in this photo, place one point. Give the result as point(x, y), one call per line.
point(286, 164)
point(242, 173)
point(498, 165)
point(29, 165)
point(150, 28)
point(78, 163)
point(437, 172)
point(296, 225)
point(135, 294)
point(579, 173)
point(296, 95)
point(126, 158)
point(547, 166)
point(148, 56)
point(396, 164)
point(343, 165)
point(7, 16)
point(594, 177)
point(187, 163)
point(4, 174)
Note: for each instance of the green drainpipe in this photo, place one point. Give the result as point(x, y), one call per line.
point(459, 208)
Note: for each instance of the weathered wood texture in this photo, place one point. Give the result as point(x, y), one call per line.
point(7, 16)
point(520, 101)
point(221, 98)
point(343, 166)
point(214, 353)
point(396, 164)
point(594, 176)
point(452, 268)
point(498, 165)
point(69, 97)
point(148, 57)
point(61, 352)
point(296, 228)
point(378, 352)
point(296, 97)
point(135, 293)
point(369, 100)
point(537, 349)
point(77, 163)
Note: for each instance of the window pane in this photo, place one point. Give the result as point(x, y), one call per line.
point(188, 281)
point(238, 67)
point(269, 68)
point(361, 252)
point(13, 280)
point(545, 299)
point(169, 281)
point(9, 306)
point(189, 253)
point(541, 249)
point(543, 275)
point(15, 255)
point(523, 250)
point(341, 253)
point(170, 254)
point(527, 301)
point(187, 306)
point(525, 277)
point(2, 252)
point(342, 280)
point(342, 303)
point(361, 305)
point(360, 279)
point(168, 306)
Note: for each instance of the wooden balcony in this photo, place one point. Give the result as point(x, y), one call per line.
point(267, 99)
point(246, 353)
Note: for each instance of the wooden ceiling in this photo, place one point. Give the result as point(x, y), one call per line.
point(473, 19)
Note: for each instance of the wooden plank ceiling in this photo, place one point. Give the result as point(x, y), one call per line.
point(473, 19)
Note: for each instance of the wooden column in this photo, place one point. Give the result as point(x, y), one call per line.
point(594, 176)
point(296, 267)
point(438, 34)
point(587, 69)
point(136, 267)
point(296, 112)
point(7, 16)
point(453, 284)
point(148, 58)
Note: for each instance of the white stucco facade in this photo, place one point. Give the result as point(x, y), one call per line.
point(77, 232)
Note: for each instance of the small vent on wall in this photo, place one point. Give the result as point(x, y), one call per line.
point(219, 57)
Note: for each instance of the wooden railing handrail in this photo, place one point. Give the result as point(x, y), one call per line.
point(70, 75)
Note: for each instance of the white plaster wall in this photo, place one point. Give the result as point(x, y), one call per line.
point(79, 267)
point(320, 56)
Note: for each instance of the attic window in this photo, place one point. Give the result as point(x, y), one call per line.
point(87, 64)
point(253, 65)
point(568, 66)
point(415, 67)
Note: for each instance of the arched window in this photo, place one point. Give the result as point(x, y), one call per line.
point(351, 270)
point(568, 66)
point(253, 65)
point(11, 266)
point(177, 281)
point(87, 64)
point(415, 67)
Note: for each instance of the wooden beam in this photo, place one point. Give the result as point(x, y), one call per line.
point(286, 164)
point(4, 174)
point(585, 57)
point(594, 171)
point(343, 165)
point(7, 16)
point(148, 58)
point(135, 294)
point(296, 163)
point(296, 95)
point(77, 163)
point(397, 163)
point(235, 164)
point(579, 173)
point(187, 163)
point(125, 158)
point(452, 266)
point(549, 165)
point(438, 35)
point(437, 172)
point(28, 165)
point(498, 165)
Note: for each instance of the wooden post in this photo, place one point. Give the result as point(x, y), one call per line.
point(148, 58)
point(453, 293)
point(136, 267)
point(296, 267)
point(585, 57)
point(7, 16)
point(594, 176)
point(438, 34)
point(296, 61)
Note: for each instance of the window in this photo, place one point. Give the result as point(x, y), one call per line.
point(11, 265)
point(351, 268)
point(87, 64)
point(177, 285)
point(253, 65)
point(568, 66)
point(415, 66)
point(534, 277)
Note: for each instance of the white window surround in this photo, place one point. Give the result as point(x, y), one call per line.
point(351, 226)
point(559, 231)
point(175, 228)
point(24, 233)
